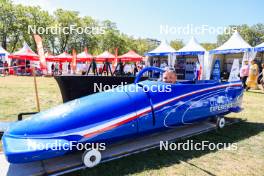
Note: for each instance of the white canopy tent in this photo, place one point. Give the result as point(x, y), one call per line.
point(259, 48)
point(259, 51)
point(192, 48)
point(164, 49)
point(4, 55)
point(234, 45)
point(195, 49)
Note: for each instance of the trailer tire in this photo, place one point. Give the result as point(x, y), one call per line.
point(91, 158)
point(220, 122)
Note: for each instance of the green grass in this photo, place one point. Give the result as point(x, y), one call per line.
point(17, 95)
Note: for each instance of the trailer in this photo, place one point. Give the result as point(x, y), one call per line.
point(73, 161)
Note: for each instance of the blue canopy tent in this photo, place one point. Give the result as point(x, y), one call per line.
point(259, 49)
point(164, 49)
point(3, 54)
point(194, 51)
point(192, 48)
point(235, 45)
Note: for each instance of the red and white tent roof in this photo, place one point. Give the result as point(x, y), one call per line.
point(64, 57)
point(84, 57)
point(105, 55)
point(25, 53)
point(130, 56)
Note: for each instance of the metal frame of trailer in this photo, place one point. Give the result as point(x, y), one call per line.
point(73, 161)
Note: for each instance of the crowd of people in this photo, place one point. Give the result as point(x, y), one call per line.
point(106, 68)
point(251, 76)
point(250, 73)
point(23, 68)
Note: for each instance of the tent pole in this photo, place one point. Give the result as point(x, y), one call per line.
point(36, 89)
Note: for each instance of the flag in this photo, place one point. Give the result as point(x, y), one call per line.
point(116, 60)
point(74, 56)
point(42, 59)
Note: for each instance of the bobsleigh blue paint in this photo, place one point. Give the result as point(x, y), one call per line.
point(117, 115)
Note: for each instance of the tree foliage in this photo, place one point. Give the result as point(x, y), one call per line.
point(16, 19)
point(252, 34)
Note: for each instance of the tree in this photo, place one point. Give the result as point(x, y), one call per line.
point(209, 46)
point(66, 20)
point(7, 22)
point(253, 35)
point(177, 44)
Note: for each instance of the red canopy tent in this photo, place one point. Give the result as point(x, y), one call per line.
point(49, 57)
point(84, 57)
point(105, 55)
point(25, 53)
point(130, 56)
point(63, 57)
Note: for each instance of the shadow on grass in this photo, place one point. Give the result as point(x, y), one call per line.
point(156, 159)
point(255, 92)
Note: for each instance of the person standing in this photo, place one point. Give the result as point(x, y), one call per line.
point(6, 69)
point(94, 67)
point(69, 68)
point(56, 68)
point(52, 69)
point(15, 68)
point(1, 67)
point(252, 80)
point(262, 79)
point(60, 68)
point(244, 71)
point(135, 69)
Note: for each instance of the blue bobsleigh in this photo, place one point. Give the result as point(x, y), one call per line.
point(119, 114)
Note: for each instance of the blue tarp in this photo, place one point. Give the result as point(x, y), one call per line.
point(230, 51)
point(158, 54)
point(191, 48)
point(235, 44)
point(259, 49)
point(164, 49)
point(193, 53)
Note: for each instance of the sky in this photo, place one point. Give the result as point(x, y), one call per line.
point(165, 19)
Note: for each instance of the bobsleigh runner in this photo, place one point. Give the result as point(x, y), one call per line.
point(120, 114)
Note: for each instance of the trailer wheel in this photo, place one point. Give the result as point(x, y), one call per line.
point(91, 158)
point(220, 122)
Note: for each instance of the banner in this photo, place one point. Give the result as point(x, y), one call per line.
point(116, 59)
point(85, 50)
point(216, 74)
point(74, 56)
point(42, 59)
point(234, 74)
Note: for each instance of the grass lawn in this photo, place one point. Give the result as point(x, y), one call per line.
point(17, 95)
